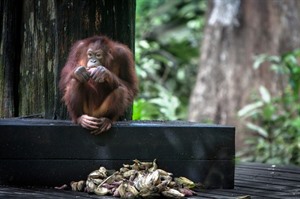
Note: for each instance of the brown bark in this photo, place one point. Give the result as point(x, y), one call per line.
point(226, 77)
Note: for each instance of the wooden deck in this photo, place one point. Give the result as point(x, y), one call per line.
point(251, 179)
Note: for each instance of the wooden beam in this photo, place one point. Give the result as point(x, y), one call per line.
point(52, 152)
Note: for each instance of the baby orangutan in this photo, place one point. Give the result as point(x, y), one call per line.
point(98, 82)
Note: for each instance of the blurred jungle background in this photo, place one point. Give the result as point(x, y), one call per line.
point(231, 62)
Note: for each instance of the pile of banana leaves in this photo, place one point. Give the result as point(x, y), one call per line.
point(139, 180)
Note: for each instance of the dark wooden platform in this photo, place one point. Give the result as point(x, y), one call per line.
point(252, 179)
point(50, 152)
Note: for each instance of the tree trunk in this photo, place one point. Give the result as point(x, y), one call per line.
point(236, 31)
point(10, 22)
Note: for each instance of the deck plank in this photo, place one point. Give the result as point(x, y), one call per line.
point(253, 179)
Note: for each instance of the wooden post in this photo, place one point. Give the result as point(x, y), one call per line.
point(35, 42)
point(9, 56)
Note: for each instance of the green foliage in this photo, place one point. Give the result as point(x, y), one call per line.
point(275, 120)
point(166, 53)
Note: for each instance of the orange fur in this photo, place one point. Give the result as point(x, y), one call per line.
point(108, 99)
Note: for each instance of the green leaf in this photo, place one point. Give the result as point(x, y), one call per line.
point(257, 129)
point(296, 123)
point(265, 95)
point(290, 59)
point(144, 44)
point(268, 112)
point(143, 110)
point(273, 58)
point(250, 108)
point(259, 60)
